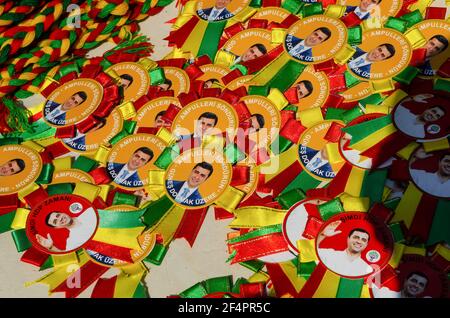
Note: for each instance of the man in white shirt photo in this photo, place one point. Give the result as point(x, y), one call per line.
point(347, 262)
point(361, 62)
point(80, 229)
point(12, 167)
point(126, 174)
point(413, 287)
point(436, 183)
point(253, 52)
point(434, 46)
point(56, 113)
point(186, 192)
point(302, 48)
point(217, 13)
point(364, 8)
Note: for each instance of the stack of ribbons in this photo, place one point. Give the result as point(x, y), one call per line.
point(318, 129)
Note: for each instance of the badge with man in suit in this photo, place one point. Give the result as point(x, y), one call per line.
point(434, 46)
point(218, 12)
point(361, 61)
point(302, 48)
point(55, 113)
point(364, 9)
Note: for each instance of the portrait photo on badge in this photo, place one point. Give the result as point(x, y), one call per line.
point(371, 9)
point(220, 10)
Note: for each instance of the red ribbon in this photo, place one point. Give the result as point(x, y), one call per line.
point(418, 56)
point(399, 170)
point(178, 37)
point(423, 219)
point(242, 111)
point(36, 197)
point(351, 20)
point(104, 288)
point(334, 133)
point(100, 176)
point(290, 20)
point(230, 96)
point(327, 67)
point(231, 76)
point(222, 214)
point(337, 83)
point(291, 95)
point(260, 62)
point(313, 226)
point(170, 113)
point(203, 60)
point(113, 251)
point(283, 179)
point(257, 23)
point(193, 71)
point(190, 224)
point(337, 185)
point(435, 13)
point(292, 130)
point(380, 212)
point(444, 70)
point(240, 175)
point(234, 29)
point(252, 290)
point(211, 92)
point(34, 257)
point(187, 98)
point(313, 282)
point(334, 101)
point(177, 62)
point(281, 283)
point(55, 150)
point(8, 203)
point(65, 132)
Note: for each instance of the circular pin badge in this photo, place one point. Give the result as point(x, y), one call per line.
point(176, 80)
point(197, 178)
point(354, 244)
point(205, 117)
point(100, 134)
point(357, 92)
point(264, 122)
point(349, 151)
point(131, 159)
point(71, 176)
point(312, 89)
point(382, 54)
point(424, 117)
point(134, 79)
point(61, 224)
point(20, 166)
point(213, 75)
point(372, 9)
point(72, 102)
point(437, 34)
point(272, 14)
point(239, 82)
point(313, 154)
point(220, 10)
point(249, 44)
point(430, 172)
point(418, 277)
point(296, 220)
point(315, 39)
point(146, 242)
point(151, 114)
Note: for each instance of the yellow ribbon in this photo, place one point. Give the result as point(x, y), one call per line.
point(168, 224)
point(397, 255)
point(344, 54)
point(224, 58)
point(392, 100)
point(65, 259)
point(355, 181)
point(257, 216)
point(20, 219)
point(31, 188)
point(267, 73)
point(351, 203)
point(307, 250)
point(442, 251)
point(335, 11)
point(230, 198)
point(278, 36)
point(383, 109)
point(277, 98)
point(61, 164)
point(334, 155)
point(406, 152)
point(86, 190)
point(127, 110)
point(380, 86)
point(101, 155)
point(415, 250)
point(328, 286)
point(406, 209)
point(120, 237)
point(415, 38)
point(104, 191)
point(166, 136)
point(33, 145)
point(375, 138)
point(281, 162)
point(436, 145)
point(126, 284)
point(148, 64)
point(310, 117)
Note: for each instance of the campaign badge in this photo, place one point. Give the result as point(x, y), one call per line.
point(379, 10)
point(151, 114)
point(423, 117)
point(134, 79)
point(205, 117)
point(351, 153)
point(146, 241)
point(176, 80)
point(354, 244)
point(197, 178)
point(313, 154)
point(383, 54)
point(249, 44)
point(296, 220)
point(20, 166)
point(72, 102)
point(71, 176)
point(272, 14)
point(131, 159)
point(357, 92)
point(103, 131)
point(312, 89)
point(437, 34)
point(220, 10)
point(315, 39)
point(61, 224)
point(430, 172)
point(212, 75)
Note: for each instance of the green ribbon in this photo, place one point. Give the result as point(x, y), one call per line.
point(84, 164)
point(280, 145)
point(407, 75)
point(441, 84)
point(373, 99)
point(350, 80)
point(397, 232)
point(211, 39)
point(60, 188)
point(439, 229)
point(128, 129)
point(412, 18)
point(253, 265)
point(258, 90)
point(237, 286)
point(157, 255)
point(256, 3)
point(196, 291)
point(330, 208)
point(233, 154)
point(46, 174)
point(392, 203)
point(351, 114)
point(293, 6)
point(47, 264)
point(312, 9)
point(6, 221)
point(266, 230)
point(349, 288)
point(303, 181)
point(165, 158)
point(140, 292)
point(354, 35)
point(161, 3)
point(305, 269)
point(156, 210)
point(157, 76)
point(396, 24)
point(291, 108)
point(120, 219)
point(287, 75)
point(288, 199)
point(239, 67)
point(10, 141)
point(334, 113)
point(66, 70)
point(373, 185)
point(365, 129)
point(21, 240)
point(219, 284)
point(37, 130)
point(124, 199)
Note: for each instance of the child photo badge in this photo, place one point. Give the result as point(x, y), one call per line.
point(72, 102)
